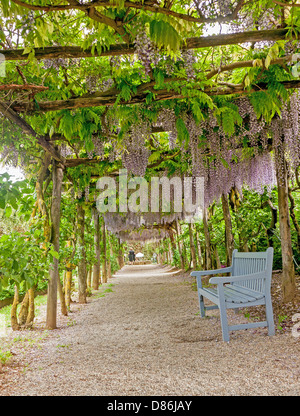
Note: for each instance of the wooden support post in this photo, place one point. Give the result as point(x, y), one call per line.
point(57, 177)
point(178, 232)
point(82, 262)
point(96, 266)
point(192, 246)
point(104, 268)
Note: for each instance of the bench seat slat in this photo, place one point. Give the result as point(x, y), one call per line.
point(209, 294)
point(231, 295)
point(238, 296)
point(242, 289)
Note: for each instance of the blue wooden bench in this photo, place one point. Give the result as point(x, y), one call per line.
point(248, 285)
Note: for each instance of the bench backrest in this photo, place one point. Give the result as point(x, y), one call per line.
point(252, 262)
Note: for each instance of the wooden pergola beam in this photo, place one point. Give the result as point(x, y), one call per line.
point(109, 97)
point(53, 52)
point(16, 87)
point(145, 5)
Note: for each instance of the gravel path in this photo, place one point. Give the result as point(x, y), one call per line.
point(146, 338)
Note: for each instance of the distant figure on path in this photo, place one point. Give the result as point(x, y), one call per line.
point(131, 256)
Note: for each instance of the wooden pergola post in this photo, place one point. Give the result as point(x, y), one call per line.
point(57, 178)
point(82, 274)
point(97, 264)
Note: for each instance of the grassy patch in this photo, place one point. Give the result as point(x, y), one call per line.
point(104, 289)
point(4, 356)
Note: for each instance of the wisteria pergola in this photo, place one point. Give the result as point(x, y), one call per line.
point(108, 84)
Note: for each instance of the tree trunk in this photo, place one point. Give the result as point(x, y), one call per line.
point(89, 277)
point(229, 239)
point(178, 229)
point(13, 313)
point(63, 305)
point(24, 309)
point(198, 250)
point(207, 242)
point(112, 255)
point(68, 286)
point(96, 266)
point(31, 310)
point(109, 256)
point(192, 246)
point(68, 280)
point(173, 245)
point(159, 256)
point(104, 268)
point(82, 276)
point(288, 271)
point(217, 257)
point(57, 177)
point(270, 231)
point(120, 254)
point(243, 244)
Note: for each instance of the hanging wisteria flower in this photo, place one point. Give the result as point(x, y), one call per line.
point(146, 50)
point(189, 60)
point(135, 155)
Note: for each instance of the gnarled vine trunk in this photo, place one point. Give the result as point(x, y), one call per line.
point(229, 239)
point(288, 270)
point(207, 242)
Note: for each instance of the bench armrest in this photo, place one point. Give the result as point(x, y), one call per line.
point(232, 279)
point(206, 272)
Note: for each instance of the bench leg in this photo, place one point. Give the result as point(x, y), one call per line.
point(201, 304)
point(224, 324)
point(223, 314)
point(270, 317)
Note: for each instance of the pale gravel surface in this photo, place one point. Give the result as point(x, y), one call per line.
point(146, 338)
